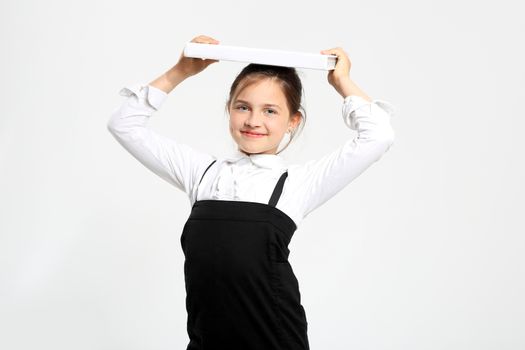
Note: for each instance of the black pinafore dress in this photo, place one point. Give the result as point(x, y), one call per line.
point(241, 291)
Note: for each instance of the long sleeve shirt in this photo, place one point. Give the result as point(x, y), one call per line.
point(240, 177)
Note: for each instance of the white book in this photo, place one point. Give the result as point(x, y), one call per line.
point(260, 56)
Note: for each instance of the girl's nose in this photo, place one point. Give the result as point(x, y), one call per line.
point(253, 119)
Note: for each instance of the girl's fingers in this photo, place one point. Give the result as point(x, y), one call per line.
point(335, 51)
point(343, 62)
point(204, 39)
point(339, 52)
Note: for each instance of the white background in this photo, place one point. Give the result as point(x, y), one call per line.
point(423, 251)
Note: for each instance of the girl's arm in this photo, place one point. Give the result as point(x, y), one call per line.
point(321, 179)
point(169, 80)
point(177, 163)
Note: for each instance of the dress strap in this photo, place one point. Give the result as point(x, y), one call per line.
point(207, 170)
point(196, 196)
point(278, 189)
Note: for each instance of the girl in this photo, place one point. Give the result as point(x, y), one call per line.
point(241, 291)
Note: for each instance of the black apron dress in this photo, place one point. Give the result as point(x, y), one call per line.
point(241, 291)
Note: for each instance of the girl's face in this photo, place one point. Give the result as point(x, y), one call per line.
point(259, 118)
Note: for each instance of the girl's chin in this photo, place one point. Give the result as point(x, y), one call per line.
point(250, 147)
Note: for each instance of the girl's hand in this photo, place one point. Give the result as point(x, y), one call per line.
point(191, 65)
point(342, 67)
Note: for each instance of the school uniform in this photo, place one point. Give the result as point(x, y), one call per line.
point(241, 291)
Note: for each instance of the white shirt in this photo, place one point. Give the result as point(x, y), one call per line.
point(252, 178)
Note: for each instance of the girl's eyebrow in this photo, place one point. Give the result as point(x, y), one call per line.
point(266, 104)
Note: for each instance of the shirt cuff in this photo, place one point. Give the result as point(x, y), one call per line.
point(147, 93)
point(386, 106)
point(353, 103)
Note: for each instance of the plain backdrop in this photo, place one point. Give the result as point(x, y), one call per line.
point(423, 251)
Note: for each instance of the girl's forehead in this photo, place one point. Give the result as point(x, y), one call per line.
point(262, 92)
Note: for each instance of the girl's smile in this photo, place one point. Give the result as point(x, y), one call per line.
point(252, 135)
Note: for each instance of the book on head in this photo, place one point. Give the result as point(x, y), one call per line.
point(261, 56)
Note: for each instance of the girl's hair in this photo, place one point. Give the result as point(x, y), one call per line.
point(288, 80)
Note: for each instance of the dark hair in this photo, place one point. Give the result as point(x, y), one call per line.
point(288, 80)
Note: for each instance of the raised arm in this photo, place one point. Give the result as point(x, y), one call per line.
point(177, 163)
point(321, 179)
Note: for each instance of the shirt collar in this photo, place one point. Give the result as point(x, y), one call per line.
point(268, 161)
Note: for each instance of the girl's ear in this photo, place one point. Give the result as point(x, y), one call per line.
point(295, 120)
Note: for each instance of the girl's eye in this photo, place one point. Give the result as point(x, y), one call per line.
point(269, 109)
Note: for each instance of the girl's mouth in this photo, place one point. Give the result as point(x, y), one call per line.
point(249, 134)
